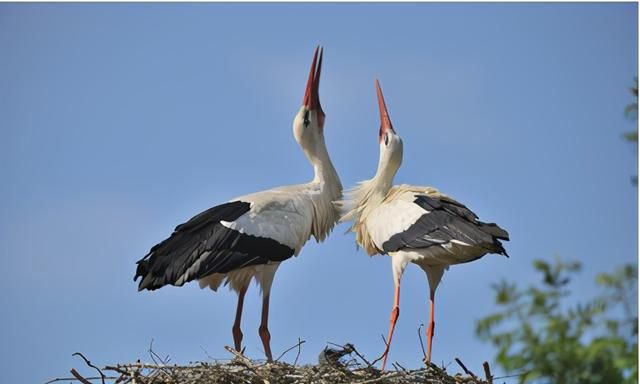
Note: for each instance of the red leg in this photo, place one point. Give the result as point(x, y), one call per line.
point(432, 325)
point(395, 313)
point(237, 333)
point(263, 331)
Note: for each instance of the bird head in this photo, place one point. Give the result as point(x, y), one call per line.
point(390, 141)
point(309, 121)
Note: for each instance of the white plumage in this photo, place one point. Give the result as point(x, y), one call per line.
point(413, 224)
point(289, 215)
point(247, 237)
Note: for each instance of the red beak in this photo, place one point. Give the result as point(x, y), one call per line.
point(385, 121)
point(311, 97)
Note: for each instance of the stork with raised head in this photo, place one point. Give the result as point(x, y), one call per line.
point(248, 237)
point(414, 224)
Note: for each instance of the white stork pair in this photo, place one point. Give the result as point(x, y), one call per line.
point(247, 237)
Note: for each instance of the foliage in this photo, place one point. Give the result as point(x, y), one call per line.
point(541, 332)
point(631, 111)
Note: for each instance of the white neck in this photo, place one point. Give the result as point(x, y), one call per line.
point(327, 183)
point(324, 172)
point(374, 190)
point(368, 194)
point(383, 179)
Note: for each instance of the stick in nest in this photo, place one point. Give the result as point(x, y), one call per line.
point(155, 356)
point(55, 380)
point(487, 372)
point(79, 377)
point(466, 370)
point(163, 362)
point(369, 365)
point(420, 338)
point(245, 361)
point(300, 342)
point(102, 376)
point(241, 358)
point(386, 345)
point(299, 350)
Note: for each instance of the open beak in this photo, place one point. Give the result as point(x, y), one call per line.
point(311, 98)
point(385, 121)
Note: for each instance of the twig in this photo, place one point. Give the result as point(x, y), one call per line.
point(420, 338)
point(300, 342)
point(514, 375)
point(298, 354)
point(75, 378)
point(467, 371)
point(369, 365)
point(79, 377)
point(154, 355)
point(352, 362)
point(102, 376)
point(386, 350)
point(207, 354)
point(242, 358)
point(397, 365)
point(246, 362)
point(487, 372)
point(377, 359)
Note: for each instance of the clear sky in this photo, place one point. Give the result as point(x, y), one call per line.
point(120, 121)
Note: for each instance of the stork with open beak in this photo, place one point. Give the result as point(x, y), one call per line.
point(414, 224)
point(249, 236)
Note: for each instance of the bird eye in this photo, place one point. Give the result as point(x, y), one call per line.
point(306, 121)
point(386, 138)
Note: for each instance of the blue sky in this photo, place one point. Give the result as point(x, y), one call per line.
point(120, 121)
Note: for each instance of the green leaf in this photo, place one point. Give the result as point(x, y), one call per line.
point(543, 329)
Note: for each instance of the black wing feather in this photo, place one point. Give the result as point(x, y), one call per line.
point(183, 252)
point(447, 220)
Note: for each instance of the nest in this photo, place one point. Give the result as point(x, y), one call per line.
point(344, 365)
point(281, 373)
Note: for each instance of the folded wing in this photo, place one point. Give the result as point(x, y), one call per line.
point(221, 239)
point(422, 220)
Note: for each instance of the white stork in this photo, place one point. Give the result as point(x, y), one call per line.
point(247, 237)
point(414, 224)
